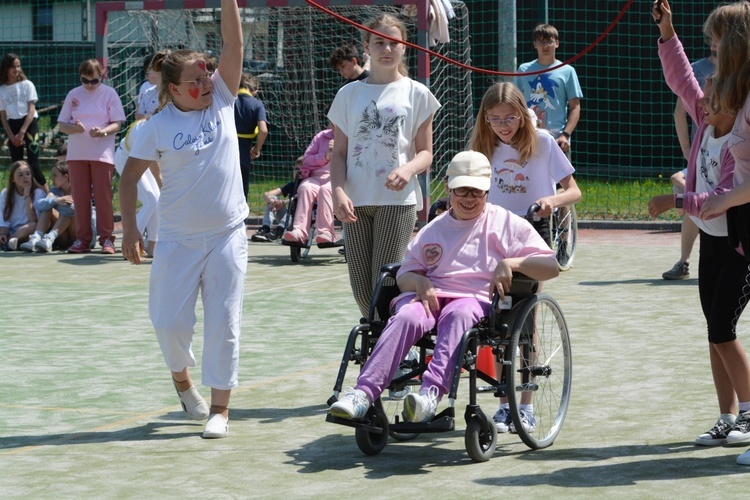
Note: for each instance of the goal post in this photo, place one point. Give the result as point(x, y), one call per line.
point(287, 44)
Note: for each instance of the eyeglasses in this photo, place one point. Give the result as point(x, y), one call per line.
point(463, 192)
point(198, 82)
point(86, 81)
point(545, 43)
point(508, 121)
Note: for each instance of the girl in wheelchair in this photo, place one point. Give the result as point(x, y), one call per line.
point(450, 271)
point(316, 184)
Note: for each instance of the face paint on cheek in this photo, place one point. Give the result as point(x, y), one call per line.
point(194, 93)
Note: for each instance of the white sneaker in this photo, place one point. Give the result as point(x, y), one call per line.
point(527, 421)
point(193, 404)
point(12, 244)
point(421, 407)
point(744, 459)
point(45, 244)
point(216, 427)
point(29, 246)
point(353, 405)
point(502, 420)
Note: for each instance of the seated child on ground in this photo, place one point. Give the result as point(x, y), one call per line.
point(449, 285)
point(17, 215)
point(55, 211)
point(316, 183)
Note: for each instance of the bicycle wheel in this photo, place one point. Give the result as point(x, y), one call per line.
point(540, 370)
point(564, 235)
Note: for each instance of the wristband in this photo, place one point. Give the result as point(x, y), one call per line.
point(567, 135)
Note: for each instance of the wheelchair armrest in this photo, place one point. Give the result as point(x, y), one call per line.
point(391, 269)
point(520, 288)
point(523, 286)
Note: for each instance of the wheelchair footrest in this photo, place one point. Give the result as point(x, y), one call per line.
point(442, 422)
point(330, 244)
point(294, 244)
point(357, 424)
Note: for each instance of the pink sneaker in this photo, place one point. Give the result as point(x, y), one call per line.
point(325, 237)
point(294, 236)
point(79, 247)
point(108, 246)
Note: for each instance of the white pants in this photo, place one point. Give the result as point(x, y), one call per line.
point(147, 218)
point(216, 266)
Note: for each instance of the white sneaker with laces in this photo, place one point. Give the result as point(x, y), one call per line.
point(45, 243)
point(421, 407)
point(527, 421)
point(353, 405)
point(30, 246)
point(216, 427)
point(744, 459)
point(502, 420)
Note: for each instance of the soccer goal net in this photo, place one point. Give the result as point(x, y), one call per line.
point(288, 48)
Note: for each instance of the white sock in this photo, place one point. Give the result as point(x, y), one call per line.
point(38, 235)
point(52, 234)
point(527, 408)
point(728, 418)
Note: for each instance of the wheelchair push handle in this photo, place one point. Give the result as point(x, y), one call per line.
point(531, 215)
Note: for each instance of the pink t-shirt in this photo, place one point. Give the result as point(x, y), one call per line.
point(94, 109)
point(459, 256)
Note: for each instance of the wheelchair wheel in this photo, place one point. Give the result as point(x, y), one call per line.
point(296, 253)
point(480, 440)
point(372, 443)
point(540, 370)
point(564, 235)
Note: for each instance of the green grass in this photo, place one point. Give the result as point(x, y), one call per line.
point(620, 199)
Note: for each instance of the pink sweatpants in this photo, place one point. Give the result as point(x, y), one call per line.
point(318, 185)
point(408, 325)
point(84, 175)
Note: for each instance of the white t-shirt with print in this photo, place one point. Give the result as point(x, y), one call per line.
point(148, 101)
point(515, 186)
point(199, 159)
point(459, 256)
point(380, 123)
point(707, 175)
point(15, 99)
point(18, 216)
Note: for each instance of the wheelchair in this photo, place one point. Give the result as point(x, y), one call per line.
point(529, 340)
point(563, 228)
point(299, 251)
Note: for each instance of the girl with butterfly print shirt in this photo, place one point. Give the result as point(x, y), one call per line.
point(382, 140)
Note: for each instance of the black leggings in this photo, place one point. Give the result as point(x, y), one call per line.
point(31, 142)
point(723, 285)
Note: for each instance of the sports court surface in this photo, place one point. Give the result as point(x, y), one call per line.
point(87, 409)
